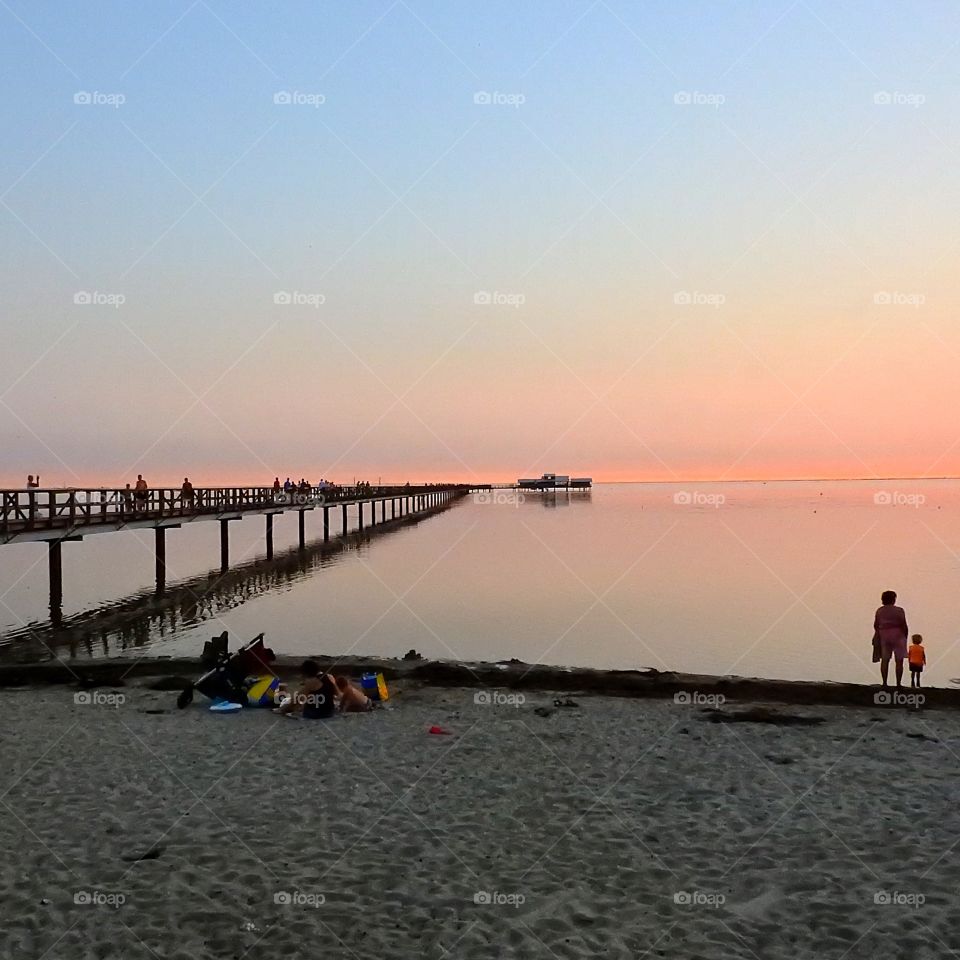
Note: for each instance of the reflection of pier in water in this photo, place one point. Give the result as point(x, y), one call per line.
point(149, 617)
point(561, 497)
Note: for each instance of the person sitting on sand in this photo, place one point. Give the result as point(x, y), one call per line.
point(890, 629)
point(352, 698)
point(315, 698)
point(918, 659)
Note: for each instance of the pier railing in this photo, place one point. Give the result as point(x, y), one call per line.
point(52, 508)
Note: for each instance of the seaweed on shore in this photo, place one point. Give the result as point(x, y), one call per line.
point(760, 715)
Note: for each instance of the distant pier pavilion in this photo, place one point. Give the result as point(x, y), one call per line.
point(556, 481)
point(58, 516)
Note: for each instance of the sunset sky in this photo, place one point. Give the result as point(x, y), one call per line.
point(632, 241)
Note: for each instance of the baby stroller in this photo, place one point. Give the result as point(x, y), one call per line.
point(231, 677)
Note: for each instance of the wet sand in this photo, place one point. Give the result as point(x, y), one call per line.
point(622, 827)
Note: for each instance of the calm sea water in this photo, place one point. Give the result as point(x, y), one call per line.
point(773, 580)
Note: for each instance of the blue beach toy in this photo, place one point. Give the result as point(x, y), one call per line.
point(225, 706)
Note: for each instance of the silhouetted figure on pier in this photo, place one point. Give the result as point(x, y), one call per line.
point(141, 492)
point(288, 485)
point(186, 494)
point(276, 485)
point(126, 500)
point(31, 483)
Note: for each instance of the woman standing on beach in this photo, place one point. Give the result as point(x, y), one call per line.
point(890, 633)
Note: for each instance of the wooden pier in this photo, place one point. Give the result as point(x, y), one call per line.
point(58, 516)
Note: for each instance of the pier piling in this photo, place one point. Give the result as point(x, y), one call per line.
point(224, 545)
point(55, 563)
point(160, 552)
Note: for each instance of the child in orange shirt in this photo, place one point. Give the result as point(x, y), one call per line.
point(918, 658)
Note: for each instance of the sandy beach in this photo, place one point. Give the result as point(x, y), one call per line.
point(616, 828)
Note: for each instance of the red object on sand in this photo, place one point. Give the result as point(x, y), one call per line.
point(439, 730)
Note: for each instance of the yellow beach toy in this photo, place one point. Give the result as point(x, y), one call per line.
point(263, 692)
point(374, 686)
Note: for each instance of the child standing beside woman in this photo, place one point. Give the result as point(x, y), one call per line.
point(890, 635)
point(917, 658)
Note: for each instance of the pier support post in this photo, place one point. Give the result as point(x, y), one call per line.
point(55, 563)
point(360, 514)
point(373, 513)
point(393, 508)
point(160, 550)
point(301, 528)
point(343, 531)
point(269, 536)
point(326, 524)
point(224, 545)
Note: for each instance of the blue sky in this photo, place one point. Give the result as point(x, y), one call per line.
point(584, 187)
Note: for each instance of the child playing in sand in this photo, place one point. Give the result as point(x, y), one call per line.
point(918, 658)
point(352, 698)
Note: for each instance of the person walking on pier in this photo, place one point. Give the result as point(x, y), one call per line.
point(186, 495)
point(276, 484)
point(140, 492)
point(126, 500)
